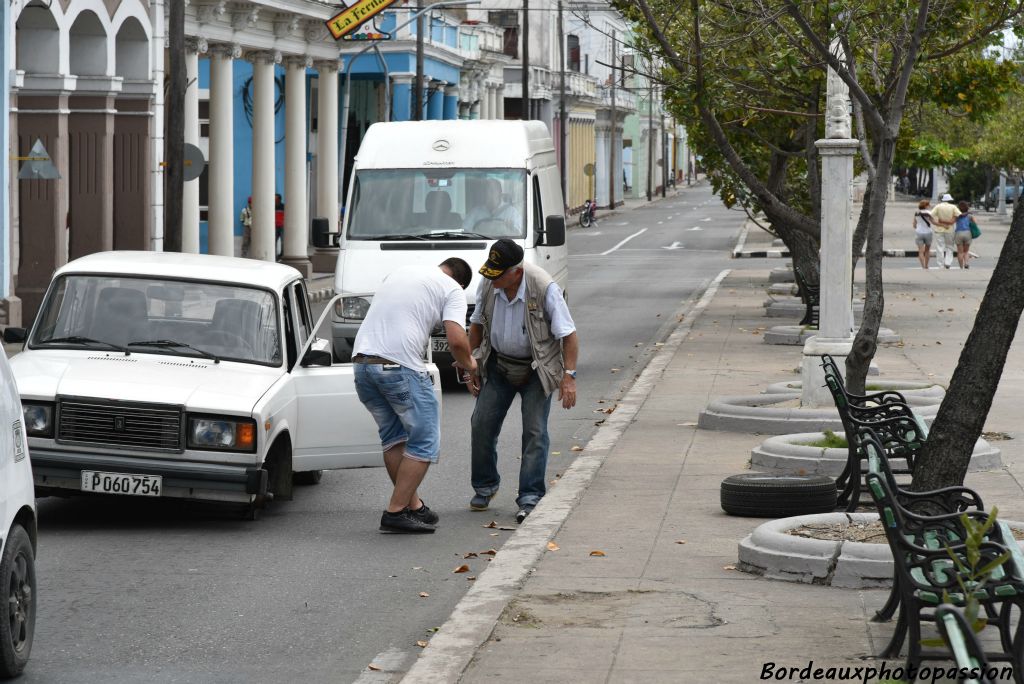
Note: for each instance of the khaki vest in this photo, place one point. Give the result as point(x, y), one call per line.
point(545, 347)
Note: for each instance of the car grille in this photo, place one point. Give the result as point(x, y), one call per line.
point(120, 425)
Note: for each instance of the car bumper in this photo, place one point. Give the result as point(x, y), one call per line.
point(53, 469)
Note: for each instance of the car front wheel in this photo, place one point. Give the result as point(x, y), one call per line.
point(18, 574)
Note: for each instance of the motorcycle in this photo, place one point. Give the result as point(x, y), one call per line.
point(588, 215)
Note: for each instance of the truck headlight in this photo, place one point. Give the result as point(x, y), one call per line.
point(38, 419)
point(352, 307)
point(227, 434)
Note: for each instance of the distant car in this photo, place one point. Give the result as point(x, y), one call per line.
point(18, 534)
point(992, 198)
point(186, 376)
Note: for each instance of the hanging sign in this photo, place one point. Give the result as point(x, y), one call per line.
point(355, 15)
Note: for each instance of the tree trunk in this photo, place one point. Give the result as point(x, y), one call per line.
point(865, 343)
point(803, 249)
point(860, 232)
point(961, 417)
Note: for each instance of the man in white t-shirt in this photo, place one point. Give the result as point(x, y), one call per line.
point(394, 385)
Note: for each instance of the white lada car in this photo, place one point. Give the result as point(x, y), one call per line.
point(188, 376)
point(17, 534)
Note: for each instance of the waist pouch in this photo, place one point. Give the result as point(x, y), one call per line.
point(515, 371)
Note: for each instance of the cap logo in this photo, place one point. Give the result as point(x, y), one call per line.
point(493, 255)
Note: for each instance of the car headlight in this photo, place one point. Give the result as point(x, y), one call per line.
point(38, 419)
point(229, 434)
point(352, 307)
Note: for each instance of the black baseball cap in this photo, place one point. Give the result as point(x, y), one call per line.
point(504, 255)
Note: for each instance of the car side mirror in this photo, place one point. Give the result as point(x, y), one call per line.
point(14, 335)
point(554, 232)
point(316, 357)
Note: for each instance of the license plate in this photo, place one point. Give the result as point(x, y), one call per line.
point(439, 344)
point(121, 483)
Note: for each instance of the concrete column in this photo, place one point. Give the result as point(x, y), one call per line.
point(601, 162)
point(190, 193)
point(296, 221)
point(221, 172)
point(327, 203)
point(401, 99)
point(501, 102)
point(263, 92)
point(451, 102)
point(435, 101)
point(483, 102)
point(492, 96)
point(1001, 201)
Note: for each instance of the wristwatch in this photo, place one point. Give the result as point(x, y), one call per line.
point(570, 373)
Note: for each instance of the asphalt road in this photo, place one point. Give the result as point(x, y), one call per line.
point(152, 591)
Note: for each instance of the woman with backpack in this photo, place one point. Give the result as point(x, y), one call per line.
point(962, 235)
point(923, 232)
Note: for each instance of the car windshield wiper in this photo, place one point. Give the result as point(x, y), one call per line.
point(174, 343)
point(81, 339)
point(403, 236)
point(460, 235)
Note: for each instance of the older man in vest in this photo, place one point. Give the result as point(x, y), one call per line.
point(525, 343)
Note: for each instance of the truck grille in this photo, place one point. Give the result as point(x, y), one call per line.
point(121, 425)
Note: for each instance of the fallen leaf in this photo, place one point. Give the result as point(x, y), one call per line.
point(491, 525)
point(471, 578)
point(421, 644)
point(489, 552)
point(556, 453)
point(424, 594)
point(508, 529)
point(728, 567)
point(494, 534)
point(375, 668)
point(616, 370)
point(470, 555)
point(552, 546)
point(597, 553)
point(461, 568)
point(937, 342)
point(418, 567)
point(680, 541)
point(577, 448)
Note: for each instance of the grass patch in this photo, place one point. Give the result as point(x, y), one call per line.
point(831, 441)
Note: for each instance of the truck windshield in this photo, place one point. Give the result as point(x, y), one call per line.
point(446, 203)
point(183, 318)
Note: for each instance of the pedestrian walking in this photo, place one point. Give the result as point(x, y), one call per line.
point(393, 383)
point(246, 218)
point(943, 217)
point(923, 232)
point(525, 342)
point(962, 235)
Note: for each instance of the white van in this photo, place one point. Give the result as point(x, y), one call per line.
point(423, 191)
point(18, 531)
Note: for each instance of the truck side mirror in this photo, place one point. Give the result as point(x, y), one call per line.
point(316, 357)
point(554, 232)
point(14, 335)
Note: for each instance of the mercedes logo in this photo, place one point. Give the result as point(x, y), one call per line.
point(441, 145)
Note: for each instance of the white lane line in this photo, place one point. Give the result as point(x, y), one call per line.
point(639, 232)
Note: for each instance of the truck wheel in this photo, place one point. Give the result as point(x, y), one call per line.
point(756, 495)
point(307, 477)
point(18, 576)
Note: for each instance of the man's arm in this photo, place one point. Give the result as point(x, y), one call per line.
point(570, 354)
point(458, 345)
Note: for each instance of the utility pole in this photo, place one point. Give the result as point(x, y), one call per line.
point(417, 98)
point(526, 60)
point(611, 146)
point(175, 142)
point(650, 137)
point(562, 117)
point(664, 155)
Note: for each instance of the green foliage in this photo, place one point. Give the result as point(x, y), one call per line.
point(1000, 142)
point(830, 441)
point(970, 180)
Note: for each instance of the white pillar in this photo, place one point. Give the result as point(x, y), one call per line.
point(601, 162)
point(1001, 201)
point(492, 96)
point(190, 193)
point(327, 153)
point(485, 101)
point(501, 102)
point(296, 222)
point(263, 92)
point(221, 174)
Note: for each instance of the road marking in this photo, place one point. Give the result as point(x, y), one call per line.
point(706, 219)
point(639, 232)
point(474, 617)
point(696, 228)
point(674, 245)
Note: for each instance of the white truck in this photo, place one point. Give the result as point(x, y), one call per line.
point(423, 191)
point(187, 376)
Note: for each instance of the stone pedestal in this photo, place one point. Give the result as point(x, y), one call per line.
point(10, 311)
point(814, 393)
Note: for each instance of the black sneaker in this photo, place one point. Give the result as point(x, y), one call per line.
point(480, 502)
point(404, 522)
point(523, 512)
point(425, 514)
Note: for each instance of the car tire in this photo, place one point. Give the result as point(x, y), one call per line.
point(756, 495)
point(307, 477)
point(18, 577)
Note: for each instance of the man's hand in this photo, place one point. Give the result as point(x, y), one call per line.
point(567, 391)
point(472, 373)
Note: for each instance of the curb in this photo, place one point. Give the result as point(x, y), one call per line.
point(472, 621)
point(740, 253)
point(320, 295)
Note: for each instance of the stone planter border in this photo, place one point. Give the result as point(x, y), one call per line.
point(797, 335)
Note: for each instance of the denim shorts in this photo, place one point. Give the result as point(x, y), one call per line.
point(403, 404)
point(923, 239)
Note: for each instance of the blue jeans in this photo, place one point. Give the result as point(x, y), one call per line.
point(491, 408)
point(402, 403)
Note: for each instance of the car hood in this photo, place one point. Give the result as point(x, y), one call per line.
point(196, 384)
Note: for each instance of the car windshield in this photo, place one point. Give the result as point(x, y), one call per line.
point(160, 316)
point(448, 204)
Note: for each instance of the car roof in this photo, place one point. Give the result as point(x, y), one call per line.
point(205, 267)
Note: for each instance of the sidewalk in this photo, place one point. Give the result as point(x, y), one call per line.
point(665, 603)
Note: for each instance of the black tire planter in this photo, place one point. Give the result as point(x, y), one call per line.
point(756, 495)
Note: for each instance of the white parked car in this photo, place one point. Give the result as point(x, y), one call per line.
point(18, 534)
point(188, 376)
